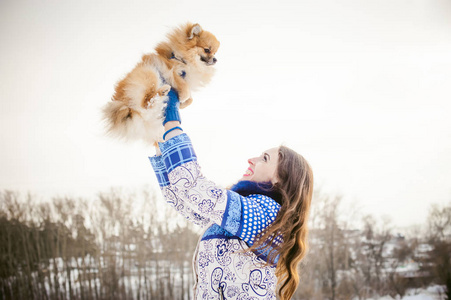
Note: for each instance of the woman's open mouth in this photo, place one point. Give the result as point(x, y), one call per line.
point(249, 172)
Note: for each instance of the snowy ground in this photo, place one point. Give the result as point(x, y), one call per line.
point(435, 292)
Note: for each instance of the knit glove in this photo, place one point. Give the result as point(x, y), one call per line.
point(172, 108)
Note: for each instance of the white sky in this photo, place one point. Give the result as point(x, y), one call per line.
point(360, 88)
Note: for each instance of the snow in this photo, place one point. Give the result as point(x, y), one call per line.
point(431, 293)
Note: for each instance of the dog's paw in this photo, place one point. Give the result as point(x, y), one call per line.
point(151, 98)
point(148, 101)
point(184, 95)
point(186, 103)
point(164, 90)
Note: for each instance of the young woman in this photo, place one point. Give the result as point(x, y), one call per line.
point(255, 233)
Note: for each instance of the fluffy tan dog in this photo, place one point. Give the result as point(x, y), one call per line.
point(183, 62)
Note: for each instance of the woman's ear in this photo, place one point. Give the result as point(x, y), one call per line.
point(195, 30)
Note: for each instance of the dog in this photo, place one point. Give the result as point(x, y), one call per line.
point(184, 62)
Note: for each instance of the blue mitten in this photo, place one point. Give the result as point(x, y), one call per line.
point(172, 108)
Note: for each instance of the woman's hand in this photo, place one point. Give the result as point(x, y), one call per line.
point(172, 118)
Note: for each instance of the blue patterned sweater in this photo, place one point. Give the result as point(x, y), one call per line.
point(232, 221)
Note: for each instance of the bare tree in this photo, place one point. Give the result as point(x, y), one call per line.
point(439, 261)
point(397, 283)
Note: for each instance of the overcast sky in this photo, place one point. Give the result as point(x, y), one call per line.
point(362, 89)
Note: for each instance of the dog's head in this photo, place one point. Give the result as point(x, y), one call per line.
point(191, 44)
point(205, 43)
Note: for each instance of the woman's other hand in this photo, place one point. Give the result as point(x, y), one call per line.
point(172, 108)
point(172, 118)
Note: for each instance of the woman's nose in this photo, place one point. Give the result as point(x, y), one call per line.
point(251, 161)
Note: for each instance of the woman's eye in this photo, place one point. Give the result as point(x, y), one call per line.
point(265, 158)
point(207, 50)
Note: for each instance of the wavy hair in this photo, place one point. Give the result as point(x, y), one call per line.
point(295, 185)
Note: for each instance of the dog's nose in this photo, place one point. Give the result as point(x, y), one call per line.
point(214, 60)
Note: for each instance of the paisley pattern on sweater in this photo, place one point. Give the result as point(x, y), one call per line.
point(232, 222)
point(222, 262)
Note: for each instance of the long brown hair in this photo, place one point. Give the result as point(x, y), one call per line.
point(295, 184)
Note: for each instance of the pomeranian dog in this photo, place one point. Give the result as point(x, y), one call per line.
point(183, 62)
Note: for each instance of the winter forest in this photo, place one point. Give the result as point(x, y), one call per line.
point(360, 88)
point(122, 245)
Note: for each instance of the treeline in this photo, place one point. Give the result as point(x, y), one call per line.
point(123, 245)
point(374, 261)
point(116, 246)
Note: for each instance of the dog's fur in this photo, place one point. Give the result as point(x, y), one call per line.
point(184, 62)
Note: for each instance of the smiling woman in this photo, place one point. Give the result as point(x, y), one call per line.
point(263, 168)
point(255, 232)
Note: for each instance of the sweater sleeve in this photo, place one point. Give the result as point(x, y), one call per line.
point(201, 200)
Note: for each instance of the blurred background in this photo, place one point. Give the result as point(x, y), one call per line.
point(359, 88)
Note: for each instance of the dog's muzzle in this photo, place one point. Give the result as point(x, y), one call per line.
point(210, 61)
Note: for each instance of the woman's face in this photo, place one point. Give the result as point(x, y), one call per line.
point(263, 168)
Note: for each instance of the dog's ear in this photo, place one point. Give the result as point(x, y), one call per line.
point(195, 30)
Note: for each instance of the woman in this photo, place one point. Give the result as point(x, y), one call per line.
point(256, 232)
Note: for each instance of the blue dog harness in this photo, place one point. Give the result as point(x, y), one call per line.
point(183, 73)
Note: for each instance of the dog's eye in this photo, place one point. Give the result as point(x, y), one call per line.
point(207, 50)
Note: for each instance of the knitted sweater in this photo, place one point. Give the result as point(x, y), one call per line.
point(222, 266)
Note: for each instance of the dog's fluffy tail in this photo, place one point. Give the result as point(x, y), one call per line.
point(128, 123)
point(119, 118)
